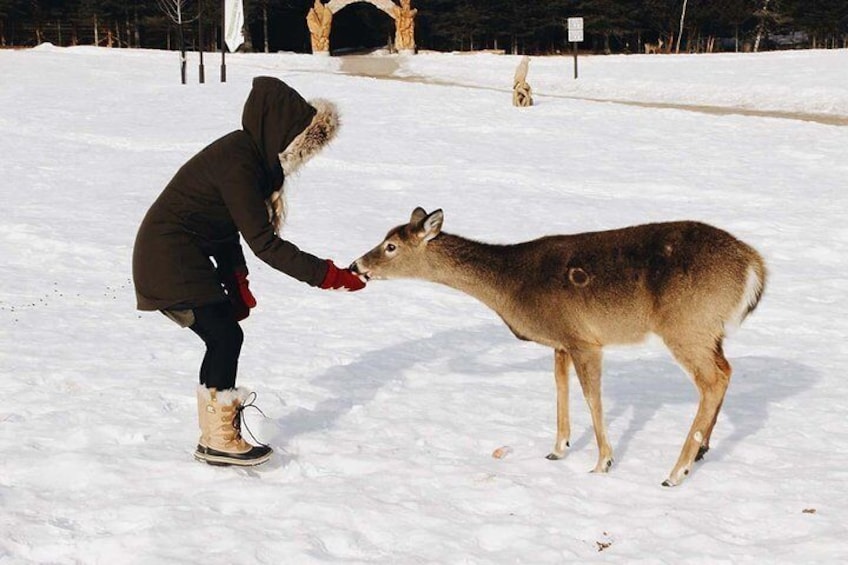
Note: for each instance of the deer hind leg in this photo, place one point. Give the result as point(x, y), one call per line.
point(724, 367)
point(702, 363)
point(587, 365)
point(562, 360)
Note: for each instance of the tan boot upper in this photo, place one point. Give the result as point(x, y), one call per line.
point(223, 422)
point(202, 400)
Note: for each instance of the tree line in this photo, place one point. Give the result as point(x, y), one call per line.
point(514, 26)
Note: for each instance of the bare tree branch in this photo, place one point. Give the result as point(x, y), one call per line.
point(178, 10)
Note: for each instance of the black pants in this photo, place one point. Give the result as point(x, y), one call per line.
point(217, 327)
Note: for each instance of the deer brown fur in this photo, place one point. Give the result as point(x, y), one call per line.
point(654, 47)
point(686, 282)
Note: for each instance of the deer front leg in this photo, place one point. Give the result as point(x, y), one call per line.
point(561, 362)
point(587, 364)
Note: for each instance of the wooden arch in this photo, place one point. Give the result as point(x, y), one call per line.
point(386, 5)
point(319, 20)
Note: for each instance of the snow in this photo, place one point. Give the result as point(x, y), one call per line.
point(385, 406)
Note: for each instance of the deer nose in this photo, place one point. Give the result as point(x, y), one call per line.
point(354, 268)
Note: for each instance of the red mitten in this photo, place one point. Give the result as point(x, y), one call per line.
point(341, 279)
point(238, 291)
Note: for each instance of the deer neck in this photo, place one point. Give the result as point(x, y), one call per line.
point(481, 270)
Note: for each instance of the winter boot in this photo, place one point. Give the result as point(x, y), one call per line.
point(202, 442)
point(220, 418)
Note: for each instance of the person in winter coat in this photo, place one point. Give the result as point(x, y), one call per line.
point(188, 261)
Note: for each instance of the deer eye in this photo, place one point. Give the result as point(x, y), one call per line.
point(391, 248)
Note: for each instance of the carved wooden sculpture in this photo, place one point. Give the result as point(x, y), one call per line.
point(522, 94)
point(404, 16)
point(319, 20)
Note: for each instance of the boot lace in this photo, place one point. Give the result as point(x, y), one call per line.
point(238, 420)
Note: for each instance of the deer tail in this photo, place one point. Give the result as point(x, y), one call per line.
point(755, 285)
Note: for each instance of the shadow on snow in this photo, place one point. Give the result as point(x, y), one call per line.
point(637, 389)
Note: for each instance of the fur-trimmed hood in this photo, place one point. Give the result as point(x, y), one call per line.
point(287, 130)
point(317, 135)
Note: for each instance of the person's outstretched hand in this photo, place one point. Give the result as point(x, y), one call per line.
point(238, 291)
point(341, 279)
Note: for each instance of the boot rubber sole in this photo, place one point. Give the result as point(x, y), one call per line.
point(220, 459)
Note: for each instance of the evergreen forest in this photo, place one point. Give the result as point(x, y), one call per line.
point(534, 27)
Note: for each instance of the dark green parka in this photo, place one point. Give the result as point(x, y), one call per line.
point(220, 193)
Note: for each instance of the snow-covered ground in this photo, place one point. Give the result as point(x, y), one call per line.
point(385, 406)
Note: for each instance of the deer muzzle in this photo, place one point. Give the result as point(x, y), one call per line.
point(355, 268)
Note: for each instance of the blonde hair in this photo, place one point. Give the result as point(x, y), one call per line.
point(320, 131)
point(276, 210)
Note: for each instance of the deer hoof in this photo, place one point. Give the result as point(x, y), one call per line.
point(553, 456)
point(602, 466)
point(676, 478)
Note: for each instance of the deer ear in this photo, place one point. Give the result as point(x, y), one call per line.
point(432, 225)
point(418, 215)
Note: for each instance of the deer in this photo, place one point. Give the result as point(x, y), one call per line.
point(653, 48)
point(685, 281)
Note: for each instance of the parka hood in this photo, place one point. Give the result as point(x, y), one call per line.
point(287, 129)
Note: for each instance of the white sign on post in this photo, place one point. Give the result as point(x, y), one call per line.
point(575, 36)
point(575, 30)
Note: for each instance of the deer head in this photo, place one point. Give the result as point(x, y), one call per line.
point(402, 253)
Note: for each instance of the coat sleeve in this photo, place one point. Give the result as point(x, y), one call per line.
point(229, 256)
point(241, 194)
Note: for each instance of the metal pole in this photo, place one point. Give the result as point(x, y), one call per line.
point(575, 59)
point(200, 41)
point(223, 42)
